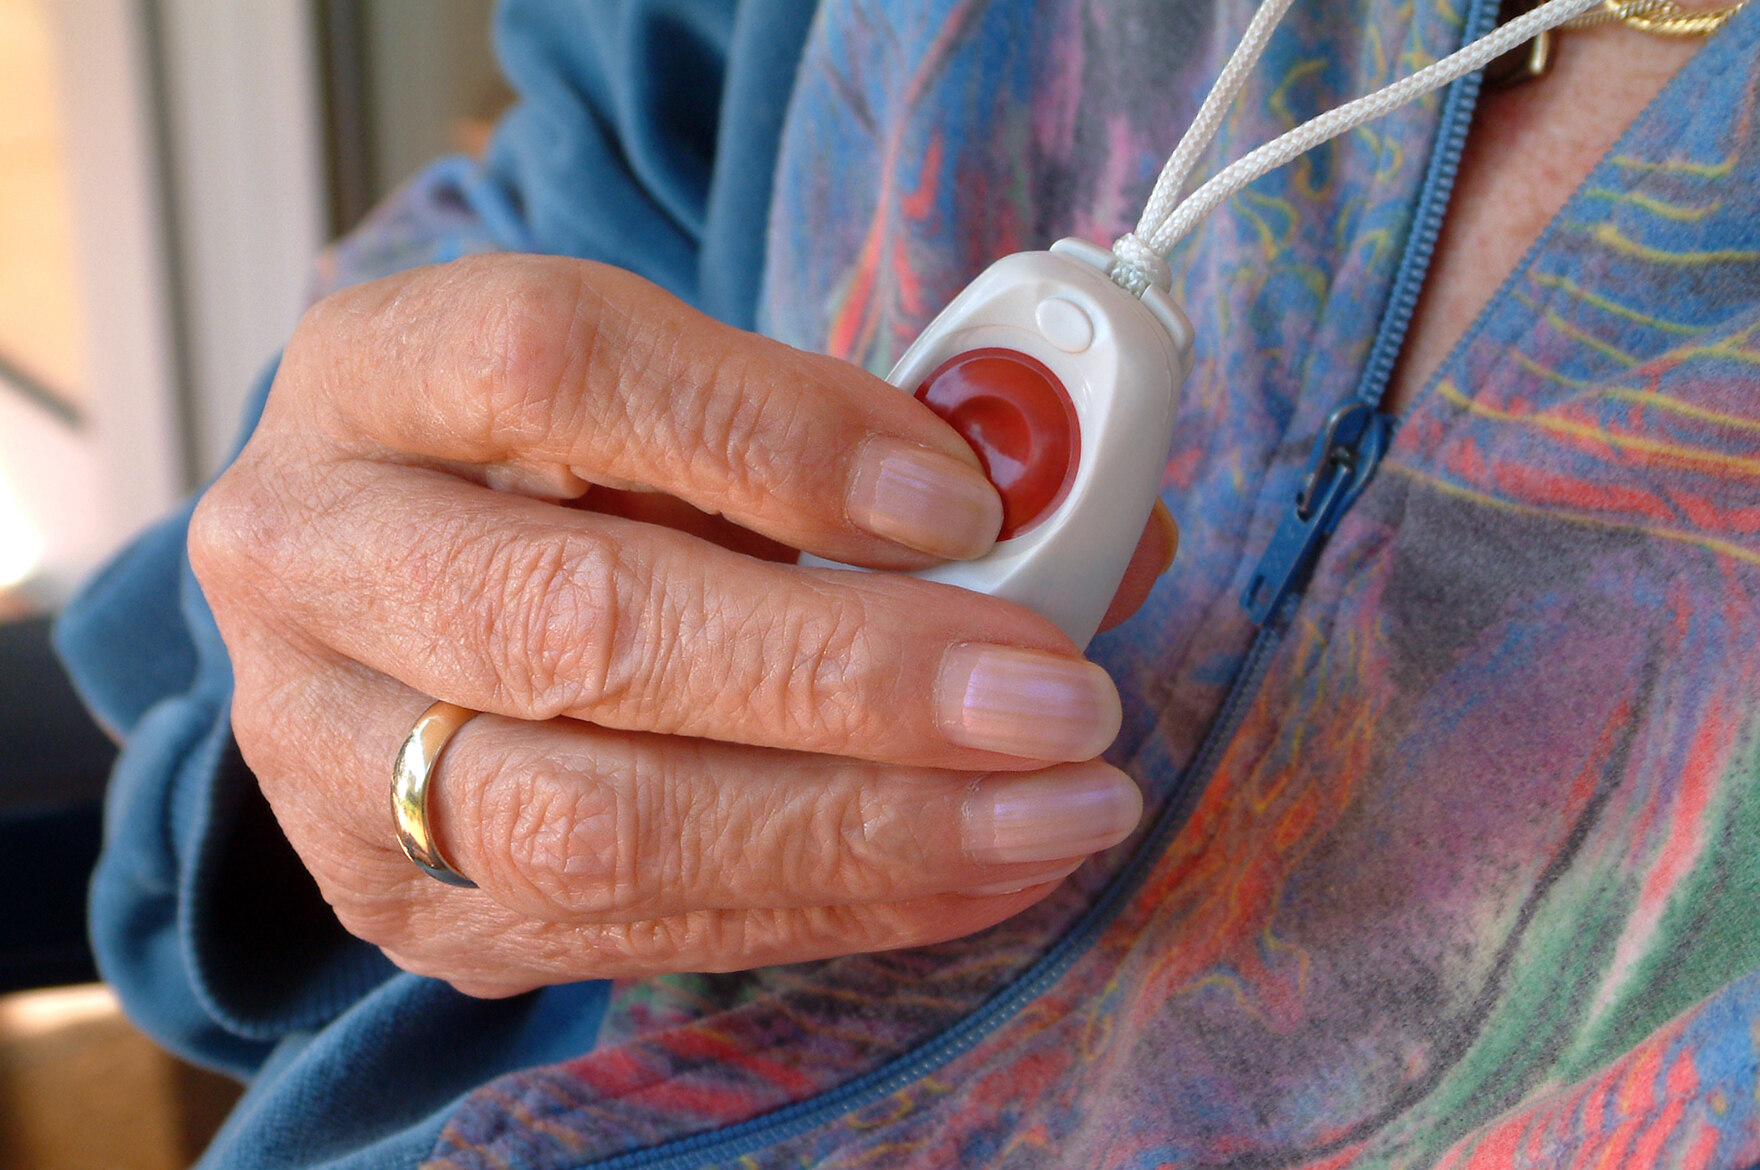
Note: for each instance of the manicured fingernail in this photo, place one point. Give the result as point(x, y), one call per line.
point(1025, 702)
point(1016, 885)
point(923, 499)
point(1048, 816)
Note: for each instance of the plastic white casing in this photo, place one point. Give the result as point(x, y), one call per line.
point(1122, 359)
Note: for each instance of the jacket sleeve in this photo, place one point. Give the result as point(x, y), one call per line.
point(201, 915)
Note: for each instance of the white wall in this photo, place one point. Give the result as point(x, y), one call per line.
point(88, 492)
point(246, 171)
point(197, 205)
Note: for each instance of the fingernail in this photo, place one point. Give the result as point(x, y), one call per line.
point(1171, 530)
point(925, 500)
point(1064, 812)
point(1016, 885)
point(1025, 702)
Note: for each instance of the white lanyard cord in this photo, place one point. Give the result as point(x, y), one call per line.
point(1172, 181)
point(1141, 254)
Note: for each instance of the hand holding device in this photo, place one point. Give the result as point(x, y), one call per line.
point(1065, 385)
point(693, 758)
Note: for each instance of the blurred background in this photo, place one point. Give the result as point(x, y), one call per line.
point(168, 168)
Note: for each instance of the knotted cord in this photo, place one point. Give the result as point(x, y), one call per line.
point(1141, 255)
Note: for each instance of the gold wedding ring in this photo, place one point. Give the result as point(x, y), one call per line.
point(410, 775)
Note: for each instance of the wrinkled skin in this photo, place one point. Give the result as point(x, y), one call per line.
point(545, 490)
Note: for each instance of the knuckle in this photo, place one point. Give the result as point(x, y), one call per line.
point(772, 434)
point(536, 336)
point(217, 540)
point(707, 940)
point(738, 421)
point(568, 843)
point(813, 663)
point(240, 530)
point(736, 940)
point(271, 528)
point(839, 840)
point(544, 614)
point(338, 338)
point(732, 409)
point(318, 328)
point(850, 846)
point(561, 847)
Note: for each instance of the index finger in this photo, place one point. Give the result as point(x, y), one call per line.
point(558, 363)
point(525, 609)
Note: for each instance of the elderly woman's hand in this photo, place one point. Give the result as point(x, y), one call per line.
point(470, 483)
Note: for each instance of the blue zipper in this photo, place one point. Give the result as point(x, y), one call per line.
point(719, 1145)
point(1356, 435)
point(1445, 160)
point(1346, 454)
point(905, 1070)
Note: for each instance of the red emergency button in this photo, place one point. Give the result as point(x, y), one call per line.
point(1019, 419)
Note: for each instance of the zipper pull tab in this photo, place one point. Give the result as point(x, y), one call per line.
point(1346, 454)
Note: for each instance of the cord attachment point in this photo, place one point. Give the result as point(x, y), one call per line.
point(1137, 267)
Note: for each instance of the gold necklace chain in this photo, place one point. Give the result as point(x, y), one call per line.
point(1662, 18)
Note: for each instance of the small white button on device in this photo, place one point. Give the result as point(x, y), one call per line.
point(1064, 324)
